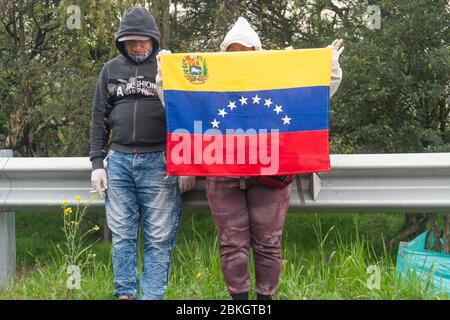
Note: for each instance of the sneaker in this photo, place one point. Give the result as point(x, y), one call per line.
point(126, 297)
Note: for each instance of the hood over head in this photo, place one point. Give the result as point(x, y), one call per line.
point(243, 33)
point(137, 21)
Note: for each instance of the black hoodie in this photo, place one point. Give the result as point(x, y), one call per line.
point(126, 101)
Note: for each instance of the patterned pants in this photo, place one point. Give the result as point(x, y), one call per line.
point(254, 218)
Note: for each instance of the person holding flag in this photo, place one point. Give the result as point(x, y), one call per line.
point(248, 213)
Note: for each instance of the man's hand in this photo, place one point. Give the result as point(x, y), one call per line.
point(337, 50)
point(158, 61)
point(186, 183)
point(161, 53)
point(159, 79)
point(99, 181)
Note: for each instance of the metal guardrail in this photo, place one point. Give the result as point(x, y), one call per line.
point(366, 182)
point(357, 183)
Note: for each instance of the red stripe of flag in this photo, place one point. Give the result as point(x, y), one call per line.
point(298, 152)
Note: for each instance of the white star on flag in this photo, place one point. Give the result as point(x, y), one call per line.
point(286, 120)
point(215, 123)
point(268, 102)
point(222, 112)
point(278, 109)
point(232, 105)
point(243, 100)
point(256, 99)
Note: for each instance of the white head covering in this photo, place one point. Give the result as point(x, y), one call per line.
point(243, 33)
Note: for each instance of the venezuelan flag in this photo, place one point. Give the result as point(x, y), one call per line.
point(247, 113)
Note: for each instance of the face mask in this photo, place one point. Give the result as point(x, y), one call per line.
point(140, 58)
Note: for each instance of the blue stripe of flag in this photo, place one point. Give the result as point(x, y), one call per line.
point(306, 107)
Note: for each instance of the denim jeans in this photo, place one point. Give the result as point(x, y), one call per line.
point(140, 193)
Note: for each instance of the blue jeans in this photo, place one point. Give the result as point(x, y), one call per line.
point(139, 192)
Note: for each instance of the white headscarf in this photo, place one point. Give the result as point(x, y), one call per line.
point(243, 33)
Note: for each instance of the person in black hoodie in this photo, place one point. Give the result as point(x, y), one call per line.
point(137, 189)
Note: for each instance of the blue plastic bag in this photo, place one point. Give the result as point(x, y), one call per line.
point(413, 258)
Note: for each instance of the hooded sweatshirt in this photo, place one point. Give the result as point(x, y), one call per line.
point(126, 101)
point(243, 33)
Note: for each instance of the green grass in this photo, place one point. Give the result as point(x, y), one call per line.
point(325, 256)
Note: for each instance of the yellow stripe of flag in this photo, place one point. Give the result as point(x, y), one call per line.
point(247, 70)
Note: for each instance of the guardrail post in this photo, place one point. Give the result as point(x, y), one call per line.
point(7, 241)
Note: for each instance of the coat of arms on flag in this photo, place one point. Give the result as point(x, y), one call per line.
point(247, 113)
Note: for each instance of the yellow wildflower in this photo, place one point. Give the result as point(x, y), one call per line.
point(68, 211)
point(78, 199)
point(65, 202)
point(96, 228)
